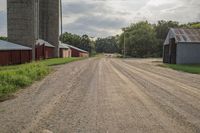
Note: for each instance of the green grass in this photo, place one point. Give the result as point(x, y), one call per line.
point(13, 78)
point(194, 69)
point(60, 61)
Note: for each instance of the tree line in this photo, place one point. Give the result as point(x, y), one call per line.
point(141, 39)
point(144, 39)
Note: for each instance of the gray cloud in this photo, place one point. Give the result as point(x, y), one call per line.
point(106, 17)
point(81, 7)
point(3, 23)
point(95, 25)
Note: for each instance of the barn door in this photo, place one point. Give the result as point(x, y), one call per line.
point(172, 51)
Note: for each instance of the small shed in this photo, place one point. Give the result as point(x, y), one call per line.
point(182, 46)
point(65, 50)
point(43, 50)
point(11, 53)
point(77, 52)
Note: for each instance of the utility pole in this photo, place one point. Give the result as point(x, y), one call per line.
point(61, 22)
point(124, 44)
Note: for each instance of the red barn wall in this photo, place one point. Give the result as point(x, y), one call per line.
point(12, 57)
point(43, 52)
point(49, 52)
point(64, 53)
point(84, 55)
point(75, 53)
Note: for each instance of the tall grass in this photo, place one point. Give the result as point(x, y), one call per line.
point(194, 69)
point(12, 79)
point(15, 77)
point(59, 61)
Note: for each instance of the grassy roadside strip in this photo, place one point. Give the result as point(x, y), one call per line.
point(13, 78)
point(194, 69)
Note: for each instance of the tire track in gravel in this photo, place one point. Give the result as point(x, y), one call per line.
point(186, 90)
point(38, 100)
point(180, 115)
point(194, 80)
point(43, 120)
point(104, 95)
point(164, 121)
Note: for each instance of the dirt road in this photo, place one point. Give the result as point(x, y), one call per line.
point(104, 95)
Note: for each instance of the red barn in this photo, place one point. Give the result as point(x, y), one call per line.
point(11, 54)
point(77, 52)
point(65, 51)
point(43, 50)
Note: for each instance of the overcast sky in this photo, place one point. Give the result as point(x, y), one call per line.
point(102, 18)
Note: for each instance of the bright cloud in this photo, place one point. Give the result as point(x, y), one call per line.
point(106, 17)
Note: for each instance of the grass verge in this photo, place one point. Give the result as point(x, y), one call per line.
point(13, 78)
point(194, 69)
point(59, 61)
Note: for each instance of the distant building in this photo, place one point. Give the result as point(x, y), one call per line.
point(65, 50)
point(77, 52)
point(43, 50)
point(11, 53)
point(182, 46)
point(29, 20)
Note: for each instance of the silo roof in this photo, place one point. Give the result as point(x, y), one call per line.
point(5, 45)
point(183, 35)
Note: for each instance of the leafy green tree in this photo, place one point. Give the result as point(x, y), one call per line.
point(3, 38)
point(140, 40)
point(162, 29)
point(83, 42)
point(107, 45)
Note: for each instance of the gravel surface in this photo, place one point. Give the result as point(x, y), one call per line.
point(106, 95)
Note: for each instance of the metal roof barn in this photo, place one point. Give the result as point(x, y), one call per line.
point(65, 50)
point(77, 52)
point(182, 46)
point(11, 53)
point(43, 50)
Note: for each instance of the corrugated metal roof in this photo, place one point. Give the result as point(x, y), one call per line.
point(63, 45)
point(81, 50)
point(4, 45)
point(183, 35)
point(41, 42)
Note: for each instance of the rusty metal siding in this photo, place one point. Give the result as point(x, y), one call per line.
point(84, 55)
point(49, 52)
point(4, 58)
point(12, 57)
point(75, 53)
point(183, 35)
point(43, 52)
point(64, 53)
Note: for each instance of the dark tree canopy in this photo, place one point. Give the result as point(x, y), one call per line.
point(3, 38)
point(83, 42)
point(142, 39)
point(107, 45)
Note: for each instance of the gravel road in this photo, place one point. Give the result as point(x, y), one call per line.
point(106, 95)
